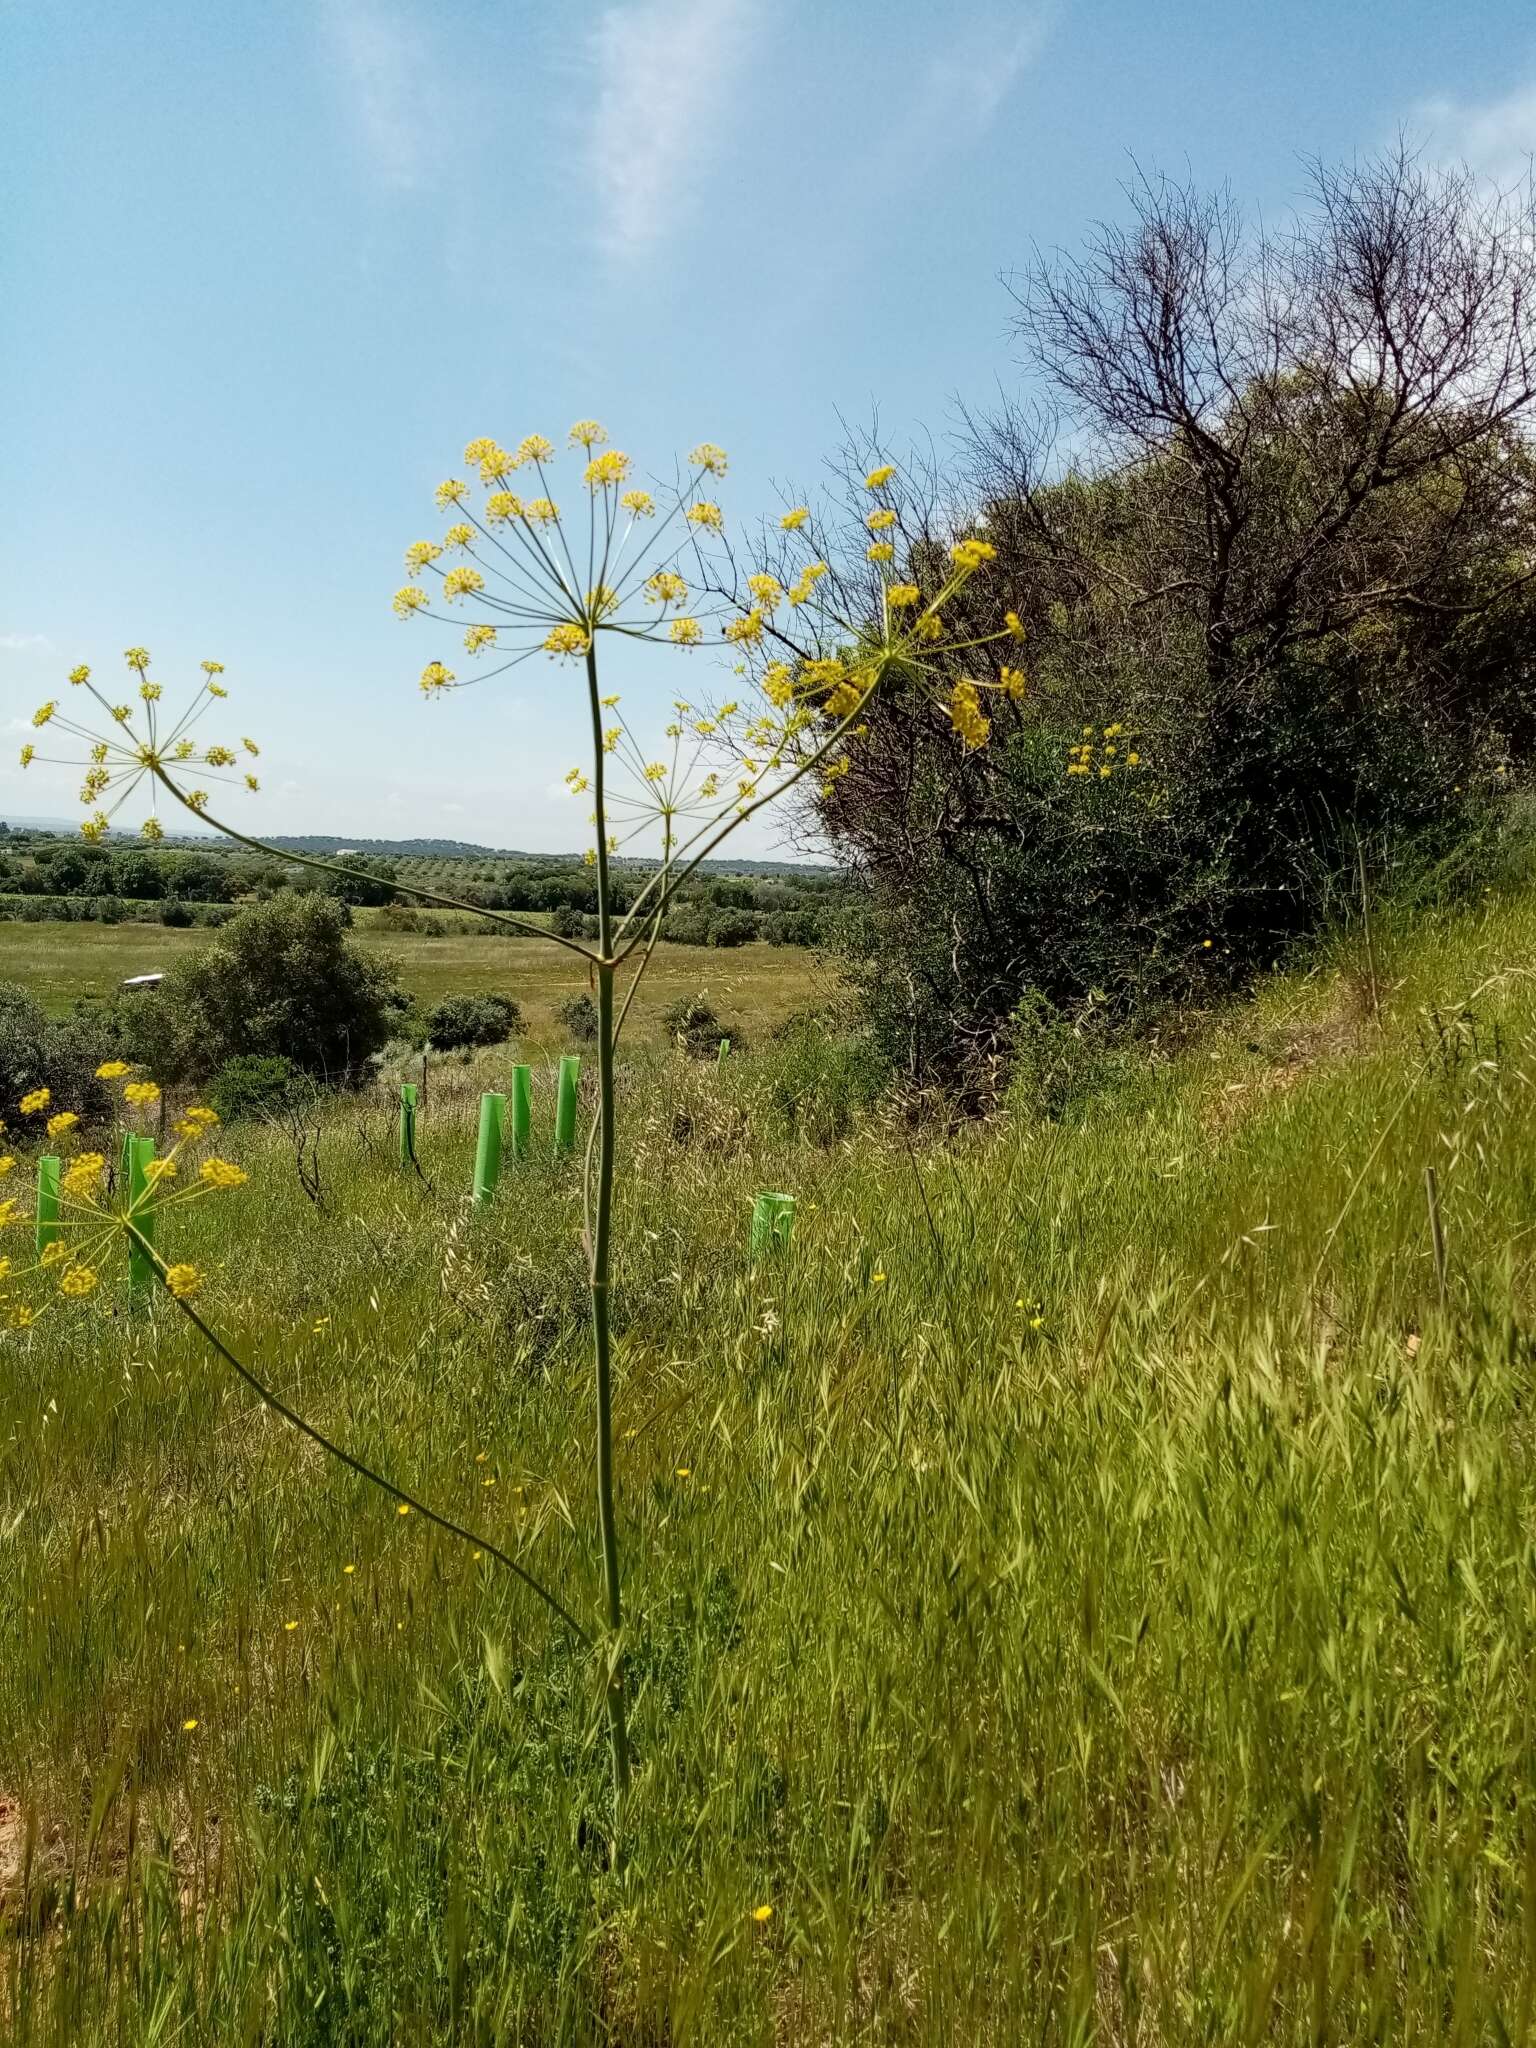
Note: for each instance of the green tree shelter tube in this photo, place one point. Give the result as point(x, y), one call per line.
point(522, 1111)
point(773, 1217)
point(565, 1102)
point(407, 1123)
point(493, 1109)
point(47, 1201)
point(141, 1266)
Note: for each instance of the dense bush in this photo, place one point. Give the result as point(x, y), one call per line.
point(472, 1020)
point(1276, 641)
point(578, 1018)
point(694, 1028)
point(281, 979)
point(61, 1055)
point(256, 1085)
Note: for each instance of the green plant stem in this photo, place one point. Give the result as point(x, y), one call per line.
point(600, 1269)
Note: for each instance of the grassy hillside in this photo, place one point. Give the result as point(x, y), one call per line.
point(1084, 1588)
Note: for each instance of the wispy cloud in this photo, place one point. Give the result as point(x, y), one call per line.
point(381, 62)
point(969, 80)
point(26, 643)
point(1497, 138)
point(664, 69)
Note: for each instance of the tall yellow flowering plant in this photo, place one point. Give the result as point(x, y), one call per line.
point(519, 578)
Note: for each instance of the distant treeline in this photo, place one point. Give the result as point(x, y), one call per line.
point(43, 877)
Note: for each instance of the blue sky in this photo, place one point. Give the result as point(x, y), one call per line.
point(267, 268)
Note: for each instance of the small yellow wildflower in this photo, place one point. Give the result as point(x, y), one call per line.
point(222, 1173)
point(404, 1508)
point(188, 1725)
point(77, 1282)
point(28, 755)
point(461, 537)
point(44, 712)
point(764, 1913)
point(142, 1093)
point(541, 512)
point(35, 1102)
point(478, 638)
point(685, 632)
point(82, 674)
point(666, 587)
point(639, 504)
point(709, 458)
point(533, 448)
point(1014, 624)
point(462, 582)
point(450, 493)
point(64, 1121)
point(880, 551)
point(606, 470)
point(503, 505)
point(183, 1280)
point(901, 595)
point(966, 715)
point(745, 630)
point(566, 639)
point(409, 598)
point(971, 554)
point(419, 553)
point(793, 521)
point(877, 522)
point(587, 434)
point(704, 513)
point(436, 677)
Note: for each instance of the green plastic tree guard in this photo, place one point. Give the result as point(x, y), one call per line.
point(493, 1109)
point(141, 1267)
point(522, 1111)
point(47, 1201)
point(407, 1123)
point(565, 1102)
point(773, 1217)
point(725, 1046)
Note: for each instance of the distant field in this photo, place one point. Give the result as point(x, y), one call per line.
point(752, 987)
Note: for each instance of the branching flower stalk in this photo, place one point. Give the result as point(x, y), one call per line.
point(812, 644)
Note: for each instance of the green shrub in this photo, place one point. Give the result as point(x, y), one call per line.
point(468, 1020)
point(281, 979)
point(821, 1078)
point(254, 1085)
point(579, 1019)
point(61, 1055)
point(694, 1028)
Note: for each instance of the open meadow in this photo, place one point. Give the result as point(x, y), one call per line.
point(754, 988)
point(1081, 1590)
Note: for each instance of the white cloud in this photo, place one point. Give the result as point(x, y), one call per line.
point(1497, 139)
point(664, 72)
point(972, 78)
point(383, 71)
point(26, 643)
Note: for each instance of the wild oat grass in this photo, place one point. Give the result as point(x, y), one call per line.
point(1085, 1589)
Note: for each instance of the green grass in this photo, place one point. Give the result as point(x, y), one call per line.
point(1087, 1588)
point(754, 988)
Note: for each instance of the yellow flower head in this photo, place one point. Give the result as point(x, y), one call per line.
point(478, 638)
point(28, 755)
point(541, 512)
point(183, 1280)
point(533, 448)
point(501, 506)
point(44, 712)
point(462, 582)
point(709, 458)
point(1014, 624)
point(410, 598)
point(35, 1102)
point(81, 674)
point(64, 1121)
point(966, 715)
point(566, 639)
point(745, 631)
point(766, 590)
point(151, 829)
point(706, 514)
point(880, 551)
point(685, 632)
point(81, 1180)
point(666, 587)
point(452, 492)
point(461, 536)
point(639, 504)
point(222, 1174)
point(971, 554)
point(606, 470)
point(878, 521)
point(419, 553)
point(879, 478)
point(1012, 680)
point(778, 683)
point(587, 434)
point(902, 595)
point(137, 657)
point(435, 677)
point(77, 1281)
point(212, 668)
point(793, 521)
point(142, 1094)
point(150, 692)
